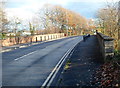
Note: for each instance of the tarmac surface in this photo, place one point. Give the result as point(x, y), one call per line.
point(82, 64)
point(30, 66)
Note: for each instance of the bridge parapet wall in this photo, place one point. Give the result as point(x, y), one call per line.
point(30, 39)
point(106, 46)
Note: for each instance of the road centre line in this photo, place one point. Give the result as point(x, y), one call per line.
point(28, 54)
point(25, 55)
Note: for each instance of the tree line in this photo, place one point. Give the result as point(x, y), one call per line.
point(48, 19)
point(56, 19)
point(109, 21)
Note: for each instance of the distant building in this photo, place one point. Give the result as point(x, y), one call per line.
point(25, 33)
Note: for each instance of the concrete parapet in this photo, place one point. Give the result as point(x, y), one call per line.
point(28, 39)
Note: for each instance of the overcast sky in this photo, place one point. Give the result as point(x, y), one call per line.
point(26, 8)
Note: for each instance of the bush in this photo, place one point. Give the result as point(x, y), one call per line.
point(2, 35)
point(117, 55)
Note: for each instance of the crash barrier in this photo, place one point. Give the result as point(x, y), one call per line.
point(30, 39)
point(106, 46)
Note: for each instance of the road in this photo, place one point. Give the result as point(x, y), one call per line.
point(30, 66)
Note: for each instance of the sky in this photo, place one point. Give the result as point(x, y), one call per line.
point(25, 9)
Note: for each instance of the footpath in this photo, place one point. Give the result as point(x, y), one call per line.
point(82, 64)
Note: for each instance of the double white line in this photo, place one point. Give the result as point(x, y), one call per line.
point(50, 78)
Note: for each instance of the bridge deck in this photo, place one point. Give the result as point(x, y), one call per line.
point(84, 61)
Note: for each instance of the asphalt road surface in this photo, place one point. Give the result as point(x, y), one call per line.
point(30, 66)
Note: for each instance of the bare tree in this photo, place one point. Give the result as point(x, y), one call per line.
point(3, 20)
point(108, 18)
point(58, 19)
point(31, 28)
point(119, 25)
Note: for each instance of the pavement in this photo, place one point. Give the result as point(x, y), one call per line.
point(30, 66)
point(81, 65)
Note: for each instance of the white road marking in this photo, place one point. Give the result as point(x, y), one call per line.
point(52, 75)
point(28, 54)
point(25, 55)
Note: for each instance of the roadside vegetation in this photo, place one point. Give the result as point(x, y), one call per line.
point(56, 19)
point(109, 22)
point(67, 65)
point(108, 75)
point(49, 19)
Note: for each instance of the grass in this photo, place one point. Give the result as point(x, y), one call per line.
point(117, 55)
point(67, 66)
